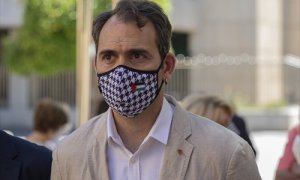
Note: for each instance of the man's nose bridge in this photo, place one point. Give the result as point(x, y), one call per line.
point(122, 60)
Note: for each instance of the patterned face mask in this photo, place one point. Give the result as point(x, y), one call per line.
point(129, 91)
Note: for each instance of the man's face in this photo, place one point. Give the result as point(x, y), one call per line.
point(125, 44)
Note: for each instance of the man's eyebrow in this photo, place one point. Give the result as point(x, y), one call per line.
point(129, 52)
point(106, 51)
point(138, 50)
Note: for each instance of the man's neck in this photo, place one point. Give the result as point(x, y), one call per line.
point(133, 131)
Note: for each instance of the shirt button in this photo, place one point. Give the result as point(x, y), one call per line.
point(134, 159)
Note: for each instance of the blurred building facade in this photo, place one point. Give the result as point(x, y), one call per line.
point(238, 50)
point(252, 39)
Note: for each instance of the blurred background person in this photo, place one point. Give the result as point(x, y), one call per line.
point(239, 126)
point(288, 167)
point(218, 110)
point(50, 118)
point(210, 107)
point(296, 148)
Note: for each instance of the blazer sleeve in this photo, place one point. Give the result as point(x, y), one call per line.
point(56, 171)
point(242, 164)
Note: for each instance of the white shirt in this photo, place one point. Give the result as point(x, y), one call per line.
point(145, 163)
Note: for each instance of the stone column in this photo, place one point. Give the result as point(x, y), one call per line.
point(269, 51)
point(83, 64)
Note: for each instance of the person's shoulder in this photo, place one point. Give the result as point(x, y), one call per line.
point(74, 148)
point(79, 139)
point(213, 142)
point(31, 147)
point(207, 132)
point(30, 154)
point(238, 121)
point(228, 154)
point(294, 131)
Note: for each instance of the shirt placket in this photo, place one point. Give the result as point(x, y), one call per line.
point(134, 168)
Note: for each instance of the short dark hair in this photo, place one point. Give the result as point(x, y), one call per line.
point(49, 115)
point(140, 12)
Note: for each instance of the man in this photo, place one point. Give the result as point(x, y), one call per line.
point(22, 160)
point(144, 134)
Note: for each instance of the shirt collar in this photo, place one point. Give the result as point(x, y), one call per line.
point(112, 132)
point(161, 128)
point(159, 131)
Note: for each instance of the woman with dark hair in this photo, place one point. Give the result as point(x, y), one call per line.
point(49, 118)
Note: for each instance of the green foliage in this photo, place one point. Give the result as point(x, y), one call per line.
point(165, 4)
point(101, 6)
point(46, 42)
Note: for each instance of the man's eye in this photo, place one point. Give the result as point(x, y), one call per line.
point(137, 56)
point(107, 57)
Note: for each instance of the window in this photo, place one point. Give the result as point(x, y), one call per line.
point(180, 43)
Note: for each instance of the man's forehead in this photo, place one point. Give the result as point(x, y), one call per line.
point(118, 31)
point(115, 21)
point(114, 24)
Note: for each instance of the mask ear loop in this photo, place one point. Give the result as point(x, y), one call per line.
point(164, 81)
point(160, 87)
point(98, 78)
point(160, 65)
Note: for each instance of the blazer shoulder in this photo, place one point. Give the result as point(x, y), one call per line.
point(72, 152)
point(230, 152)
point(78, 140)
point(205, 131)
point(35, 154)
point(35, 160)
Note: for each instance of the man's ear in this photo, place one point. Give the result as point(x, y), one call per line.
point(169, 66)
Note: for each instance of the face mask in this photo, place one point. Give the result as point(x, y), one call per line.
point(129, 91)
point(296, 148)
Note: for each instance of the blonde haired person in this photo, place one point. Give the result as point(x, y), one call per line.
point(210, 107)
point(219, 111)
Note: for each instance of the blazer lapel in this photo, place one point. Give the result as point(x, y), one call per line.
point(177, 153)
point(178, 150)
point(9, 167)
point(97, 154)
